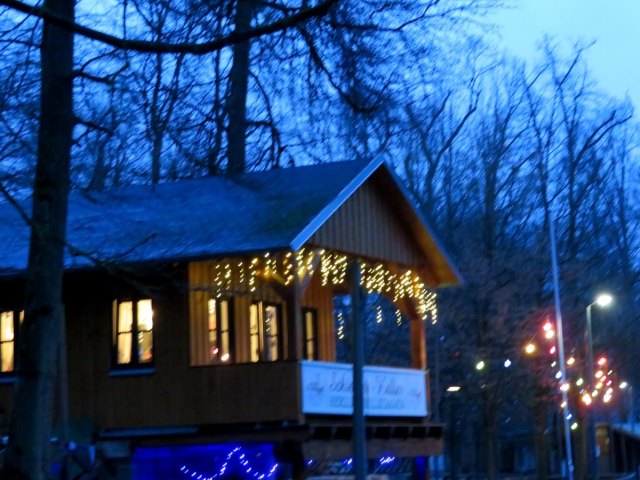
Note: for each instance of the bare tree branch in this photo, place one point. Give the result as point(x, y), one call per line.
point(160, 47)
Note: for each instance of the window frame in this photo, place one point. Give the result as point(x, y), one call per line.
point(314, 333)
point(262, 307)
point(219, 332)
point(135, 364)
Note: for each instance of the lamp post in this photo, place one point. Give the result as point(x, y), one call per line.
point(453, 439)
point(563, 367)
point(602, 300)
point(631, 414)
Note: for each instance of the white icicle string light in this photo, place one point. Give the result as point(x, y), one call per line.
point(333, 267)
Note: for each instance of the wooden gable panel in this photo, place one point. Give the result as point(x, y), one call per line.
point(366, 224)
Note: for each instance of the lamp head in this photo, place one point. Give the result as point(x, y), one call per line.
point(604, 299)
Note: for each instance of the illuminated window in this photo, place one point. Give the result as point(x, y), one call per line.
point(8, 328)
point(264, 332)
point(310, 319)
point(133, 339)
point(7, 341)
point(219, 331)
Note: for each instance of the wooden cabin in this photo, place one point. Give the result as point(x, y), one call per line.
point(202, 311)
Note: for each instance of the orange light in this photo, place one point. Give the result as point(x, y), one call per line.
point(586, 399)
point(547, 327)
point(530, 348)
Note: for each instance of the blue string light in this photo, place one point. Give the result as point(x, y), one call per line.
point(253, 473)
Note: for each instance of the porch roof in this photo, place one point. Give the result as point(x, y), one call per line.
point(214, 217)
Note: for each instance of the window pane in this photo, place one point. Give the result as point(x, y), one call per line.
point(212, 314)
point(125, 317)
point(214, 350)
point(254, 333)
point(145, 316)
point(7, 357)
point(224, 335)
point(6, 327)
point(309, 333)
point(124, 348)
point(271, 332)
point(145, 347)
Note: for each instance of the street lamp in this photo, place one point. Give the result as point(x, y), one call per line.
point(602, 300)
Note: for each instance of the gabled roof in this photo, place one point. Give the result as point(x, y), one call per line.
point(211, 217)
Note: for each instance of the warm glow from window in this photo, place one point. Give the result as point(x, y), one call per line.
point(310, 341)
point(219, 331)
point(145, 331)
point(125, 323)
point(254, 333)
point(7, 336)
point(264, 332)
point(271, 332)
point(134, 327)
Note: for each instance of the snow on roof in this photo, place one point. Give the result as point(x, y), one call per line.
point(207, 217)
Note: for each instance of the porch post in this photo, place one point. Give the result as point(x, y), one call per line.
point(359, 446)
point(418, 343)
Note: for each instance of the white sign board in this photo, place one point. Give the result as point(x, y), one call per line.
point(327, 388)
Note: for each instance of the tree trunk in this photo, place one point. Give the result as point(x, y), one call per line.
point(237, 101)
point(31, 415)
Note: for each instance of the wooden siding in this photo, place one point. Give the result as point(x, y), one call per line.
point(321, 298)
point(201, 282)
point(173, 393)
point(367, 225)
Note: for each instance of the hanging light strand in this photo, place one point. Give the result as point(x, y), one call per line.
point(375, 277)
